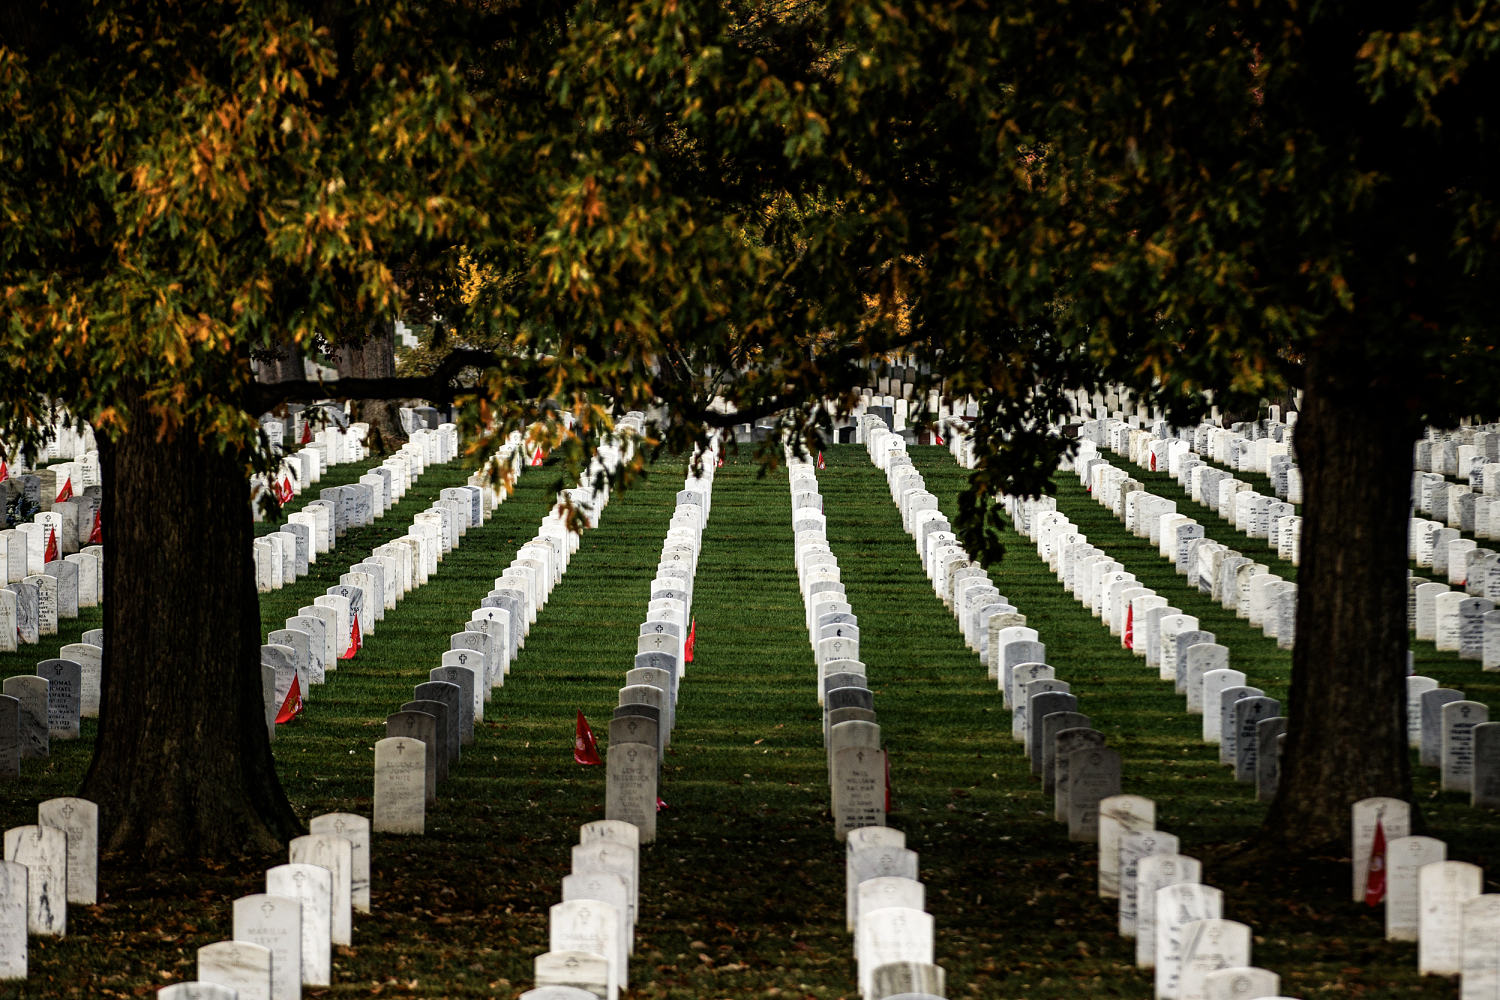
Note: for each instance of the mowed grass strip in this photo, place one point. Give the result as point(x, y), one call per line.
point(1308, 931)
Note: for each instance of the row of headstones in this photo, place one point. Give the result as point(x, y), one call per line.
point(67, 439)
point(342, 442)
point(36, 605)
point(854, 757)
point(47, 866)
point(1176, 920)
point(1458, 452)
point(1084, 778)
point(1233, 580)
point(885, 909)
point(301, 469)
point(424, 736)
point(1195, 953)
point(57, 529)
point(1253, 514)
point(1455, 621)
point(1244, 723)
point(645, 713)
point(1243, 447)
point(283, 556)
point(591, 933)
point(334, 626)
point(885, 904)
point(1455, 736)
point(283, 939)
point(1456, 506)
point(1439, 904)
point(36, 709)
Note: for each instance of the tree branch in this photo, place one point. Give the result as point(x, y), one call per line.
point(436, 387)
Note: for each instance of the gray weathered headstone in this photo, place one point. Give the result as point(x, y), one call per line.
point(31, 692)
point(64, 687)
point(401, 779)
point(1093, 775)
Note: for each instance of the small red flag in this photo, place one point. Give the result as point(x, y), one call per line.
point(284, 492)
point(4, 471)
point(1375, 880)
point(719, 462)
point(66, 493)
point(1153, 461)
point(355, 635)
point(660, 805)
point(292, 706)
point(51, 554)
point(687, 647)
point(938, 437)
point(820, 461)
point(307, 434)
point(536, 456)
point(585, 750)
point(96, 537)
point(1129, 639)
point(353, 640)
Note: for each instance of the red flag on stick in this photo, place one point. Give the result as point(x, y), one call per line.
point(292, 706)
point(51, 555)
point(353, 640)
point(66, 493)
point(4, 471)
point(1129, 639)
point(585, 749)
point(820, 461)
point(307, 434)
point(1153, 461)
point(96, 537)
point(1375, 880)
point(687, 647)
point(660, 804)
point(536, 456)
point(938, 438)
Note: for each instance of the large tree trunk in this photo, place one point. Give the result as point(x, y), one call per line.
point(1346, 728)
point(182, 767)
point(375, 357)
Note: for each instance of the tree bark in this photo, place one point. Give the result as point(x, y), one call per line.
point(375, 357)
point(1346, 725)
point(182, 765)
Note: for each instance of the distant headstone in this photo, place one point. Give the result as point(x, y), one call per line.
point(79, 819)
point(1135, 847)
point(44, 852)
point(274, 923)
point(337, 855)
point(31, 692)
point(14, 898)
point(421, 726)
point(400, 785)
point(1093, 775)
point(1405, 858)
point(239, 965)
point(1443, 888)
point(581, 970)
point(311, 887)
point(10, 737)
point(630, 787)
point(1119, 815)
point(64, 687)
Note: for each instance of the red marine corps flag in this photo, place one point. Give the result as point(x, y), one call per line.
point(1375, 880)
point(585, 749)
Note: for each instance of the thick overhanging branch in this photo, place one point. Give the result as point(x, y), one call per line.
point(436, 387)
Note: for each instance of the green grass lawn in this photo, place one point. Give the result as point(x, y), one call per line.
point(742, 893)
